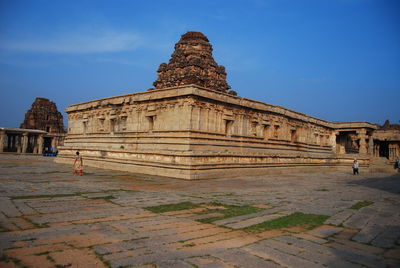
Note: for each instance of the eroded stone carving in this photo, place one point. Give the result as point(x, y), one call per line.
point(192, 63)
point(44, 115)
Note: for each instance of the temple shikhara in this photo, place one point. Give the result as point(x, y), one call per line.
point(192, 126)
point(42, 130)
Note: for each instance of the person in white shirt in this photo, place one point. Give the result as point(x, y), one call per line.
point(355, 167)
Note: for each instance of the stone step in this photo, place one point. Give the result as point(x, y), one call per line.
point(381, 165)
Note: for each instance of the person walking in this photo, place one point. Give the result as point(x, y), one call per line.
point(78, 165)
point(355, 167)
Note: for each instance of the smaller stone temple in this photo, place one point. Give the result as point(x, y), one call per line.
point(44, 115)
point(41, 131)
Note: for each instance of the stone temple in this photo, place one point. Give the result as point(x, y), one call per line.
point(191, 126)
point(42, 129)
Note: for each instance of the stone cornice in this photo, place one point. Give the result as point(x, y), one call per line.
point(196, 91)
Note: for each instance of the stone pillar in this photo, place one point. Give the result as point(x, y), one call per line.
point(24, 142)
point(9, 142)
point(54, 143)
point(371, 146)
point(363, 143)
point(18, 141)
point(332, 141)
point(2, 135)
point(40, 143)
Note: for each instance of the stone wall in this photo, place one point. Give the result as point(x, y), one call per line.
point(192, 132)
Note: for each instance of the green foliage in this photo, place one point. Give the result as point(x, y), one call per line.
point(309, 221)
point(108, 197)
point(229, 211)
point(42, 253)
point(189, 245)
point(44, 196)
point(361, 204)
point(172, 207)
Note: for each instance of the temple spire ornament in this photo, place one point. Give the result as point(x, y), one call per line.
point(192, 63)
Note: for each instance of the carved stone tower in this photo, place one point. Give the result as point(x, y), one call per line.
point(44, 115)
point(192, 63)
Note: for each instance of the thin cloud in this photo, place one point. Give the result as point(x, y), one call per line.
point(79, 42)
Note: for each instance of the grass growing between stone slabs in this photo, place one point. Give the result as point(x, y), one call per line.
point(361, 204)
point(307, 221)
point(82, 194)
point(172, 207)
point(108, 197)
point(229, 211)
point(43, 196)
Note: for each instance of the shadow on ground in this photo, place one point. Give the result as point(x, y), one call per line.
point(389, 184)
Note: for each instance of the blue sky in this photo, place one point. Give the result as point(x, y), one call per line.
point(336, 60)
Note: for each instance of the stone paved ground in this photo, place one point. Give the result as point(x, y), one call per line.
point(49, 218)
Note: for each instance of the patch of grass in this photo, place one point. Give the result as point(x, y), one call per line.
point(73, 194)
point(229, 211)
point(36, 225)
point(309, 221)
point(4, 258)
point(44, 196)
point(50, 259)
point(29, 239)
point(63, 266)
point(223, 194)
point(53, 172)
point(42, 253)
point(108, 197)
point(106, 263)
point(17, 262)
point(361, 204)
point(172, 207)
point(119, 190)
point(189, 245)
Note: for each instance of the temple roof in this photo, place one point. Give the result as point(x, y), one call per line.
point(192, 63)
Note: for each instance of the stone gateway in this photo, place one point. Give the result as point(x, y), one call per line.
point(190, 126)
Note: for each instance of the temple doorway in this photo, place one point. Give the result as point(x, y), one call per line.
point(384, 149)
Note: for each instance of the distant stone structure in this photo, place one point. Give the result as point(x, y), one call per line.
point(44, 115)
point(191, 127)
point(41, 130)
point(387, 140)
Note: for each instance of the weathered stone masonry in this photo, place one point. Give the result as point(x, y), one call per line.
point(191, 127)
point(192, 132)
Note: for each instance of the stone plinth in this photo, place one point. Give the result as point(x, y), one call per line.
point(191, 132)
